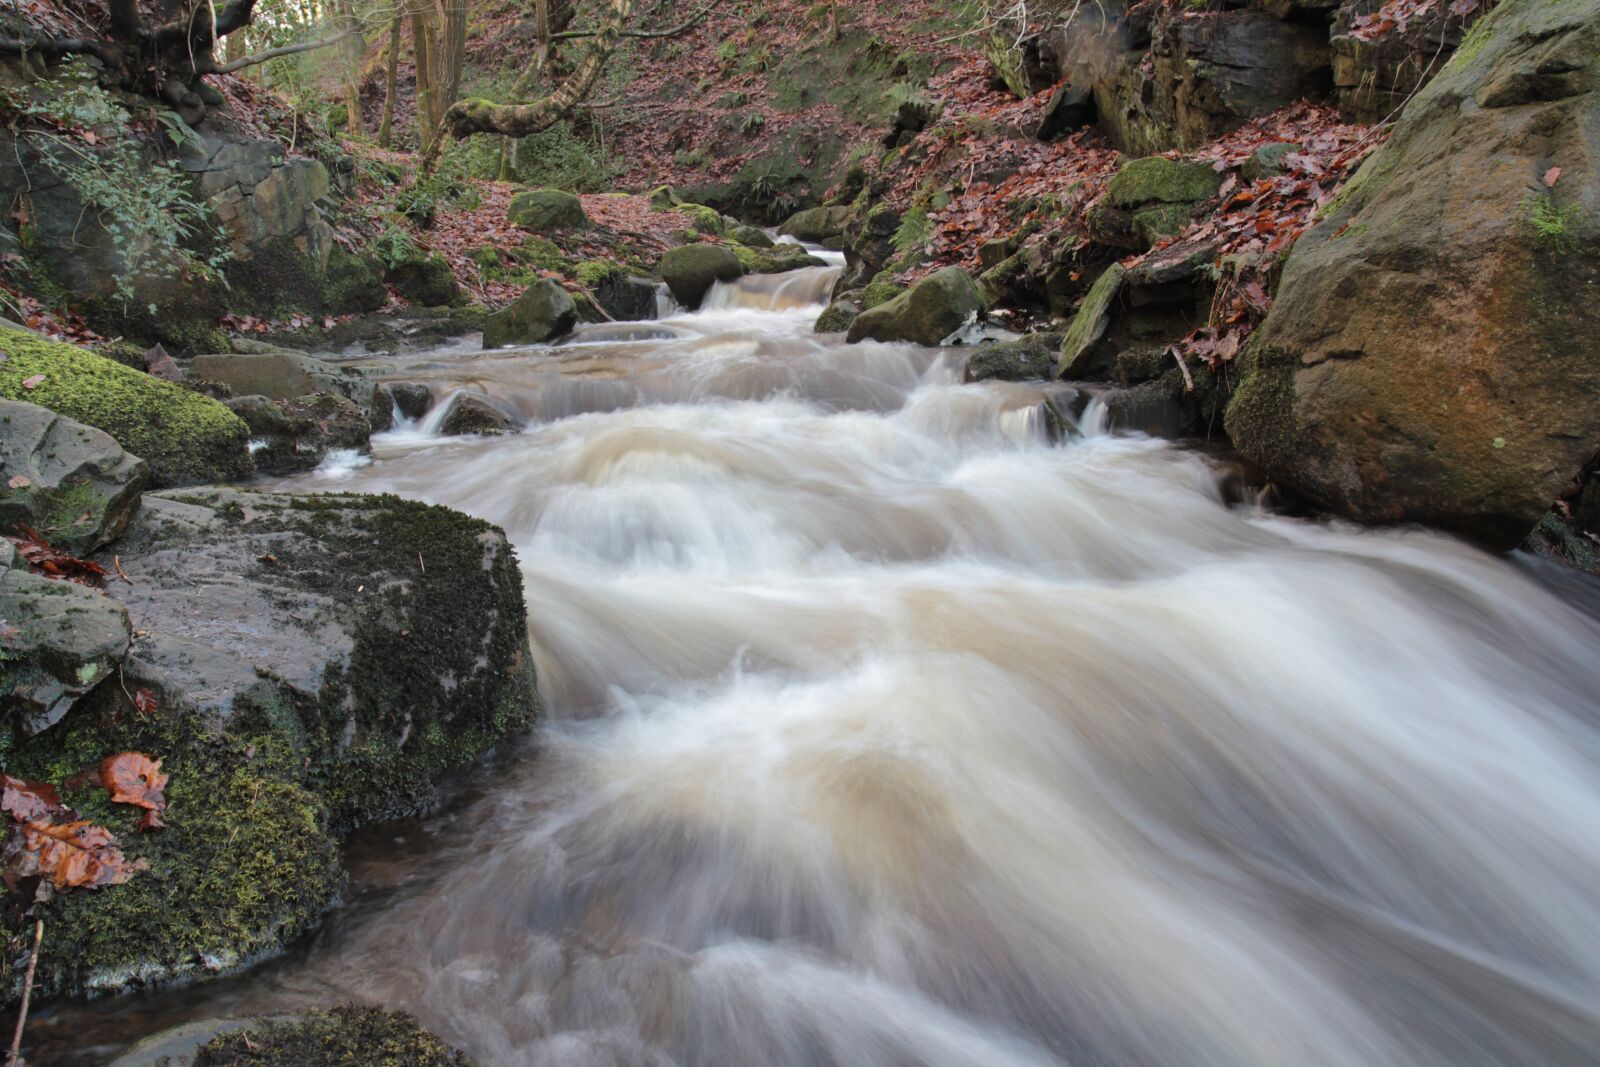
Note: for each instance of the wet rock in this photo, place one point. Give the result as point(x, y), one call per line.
point(1084, 354)
point(158, 362)
point(816, 225)
point(278, 375)
point(626, 297)
point(59, 640)
point(71, 482)
point(177, 1046)
point(1479, 414)
point(1372, 79)
point(542, 313)
point(750, 236)
point(473, 415)
point(410, 399)
point(317, 662)
point(426, 281)
point(780, 259)
point(294, 435)
point(343, 1037)
point(184, 437)
point(691, 271)
point(541, 210)
point(1148, 408)
point(837, 316)
point(1030, 358)
point(926, 314)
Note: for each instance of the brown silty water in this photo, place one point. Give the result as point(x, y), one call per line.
point(888, 724)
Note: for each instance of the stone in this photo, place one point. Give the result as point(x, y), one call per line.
point(1027, 359)
point(691, 271)
point(276, 375)
point(72, 483)
point(1084, 354)
point(779, 259)
point(542, 210)
point(425, 280)
point(184, 437)
point(1069, 108)
point(749, 236)
point(59, 640)
point(925, 314)
point(543, 312)
point(1266, 161)
point(348, 1036)
point(294, 435)
point(1160, 180)
point(354, 284)
point(411, 399)
point(1429, 356)
point(816, 225)
point(837, 316)
point(626, 297)
point(471, 415)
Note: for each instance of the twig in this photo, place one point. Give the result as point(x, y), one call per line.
point(27, 992)
point(421, 564)
point(116, 561)
point(1188, 379)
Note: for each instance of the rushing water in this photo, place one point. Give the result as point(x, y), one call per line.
point(884, 730)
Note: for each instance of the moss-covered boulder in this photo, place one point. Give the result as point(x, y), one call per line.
point(926, 314)
point(749, 236)
point(1430, 354)
point(185, 437)
point(354, 284)
point(425, 280)
point(691, 271)
point(817, 224)
point(542, 210)
point(779, 259)
point(543, 312)
point(1084, 353)
point(71, 482)
point(294, 435)
point(1030, 358)
point(1152, 198)
point(317, 663)
point(837, 316)
point(348, 1036)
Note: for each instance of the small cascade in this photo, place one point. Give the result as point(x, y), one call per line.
point(808, 287)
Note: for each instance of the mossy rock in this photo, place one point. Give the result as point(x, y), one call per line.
point(185, 437)
point(354, 284)
point(349, 1036)
point(691, 271)
point(925, 314)
point(778, 260)
point(1084, 353)
point(425, 280)
point(1157, 179)
point(817, 224)
point(542, 210)
point(543, 312)
point(837, 316)
point(750, 236)
point(71, 482)
point(882, 289)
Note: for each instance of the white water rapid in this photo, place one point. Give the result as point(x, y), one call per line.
point(882, 730)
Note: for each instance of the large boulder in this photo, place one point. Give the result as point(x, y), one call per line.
point(71, 482)
point(926, 314)
point(691, 271)
point(425, 280)
point(1085, 353)
point(816, 225)
point(475, 416)
point(185, 437)
point(542, 313)
point(542, 210)
point(1030, 358)
point(303, 665)
point(1430, 354)
point(58, 640)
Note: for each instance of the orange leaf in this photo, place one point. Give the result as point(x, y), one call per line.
point(28, 801)
point(134, 778)
point(74, 855)
point(1552, 176)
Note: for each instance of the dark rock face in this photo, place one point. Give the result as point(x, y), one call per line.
point(71, 482)
point(691, 271)
point(925, 314)
point(542, 313)
point(1477, 412)
point(628, 297)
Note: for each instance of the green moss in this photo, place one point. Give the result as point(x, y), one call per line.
point(1157, 179)
point(1550, 226)
point(774, 260)
point(706, 220)
point(882, 289)
point(592, 272)
point(245, 864)
point(344, 1037)
point(184, 436)
point(354, 284)
point(1260, 414)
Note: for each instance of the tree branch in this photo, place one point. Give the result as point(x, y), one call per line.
point(684, 27)
point(276, 53)
point(58, 46)
point(196, 30)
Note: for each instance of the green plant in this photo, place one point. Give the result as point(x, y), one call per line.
point(913, 231)
point(560, 158)
point(727, 51)
point(1549, 224)
point(394, 246)
point(753, 123)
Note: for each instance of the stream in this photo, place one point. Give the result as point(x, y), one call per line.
point(891, 721)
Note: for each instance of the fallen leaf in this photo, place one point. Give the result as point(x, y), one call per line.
point(20, 481)
point(28, 801)
point(145, 701)
point(1552, 176)
point(73, 855)
point(134, 778)
point(33, 382)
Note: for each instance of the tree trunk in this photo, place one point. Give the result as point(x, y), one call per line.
point(390, 82)
point(353, 50)
point(528, 80)
point(421, 43)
